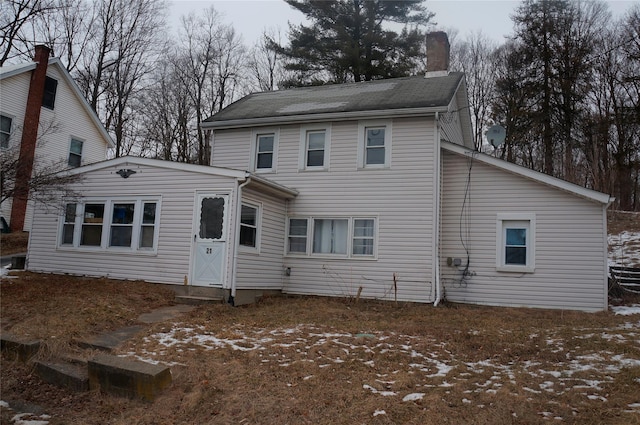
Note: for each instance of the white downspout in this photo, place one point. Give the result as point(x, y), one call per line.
point(236, 236)
point(436, 221)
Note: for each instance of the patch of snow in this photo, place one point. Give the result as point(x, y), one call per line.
point(413, 397)
point(379, 412)
point(382, 393)
point(17, 419)
point(4, 404)
point(624, 310)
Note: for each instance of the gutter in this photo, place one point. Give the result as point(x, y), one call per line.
point(236, 239)
point(322, 117)
point(436, 219)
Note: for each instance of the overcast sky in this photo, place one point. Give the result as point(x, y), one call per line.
point(250, 17)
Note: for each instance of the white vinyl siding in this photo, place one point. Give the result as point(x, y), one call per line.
point(568, 232)
point(400, 198)
point(173, 234)
point(56, 126)
point(264, 269)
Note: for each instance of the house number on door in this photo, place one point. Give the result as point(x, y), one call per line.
point(209, 250)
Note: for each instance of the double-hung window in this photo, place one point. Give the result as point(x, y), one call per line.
point(374, 144)
point(128, 224)
point(5, 131)
point(515, 243)
point(297, 237)
point(264, 151)
point(314, 147)
point(348, 237)
point(75, 153)
point(249, 226)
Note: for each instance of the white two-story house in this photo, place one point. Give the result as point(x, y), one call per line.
point(46, 121)
point(369, 190)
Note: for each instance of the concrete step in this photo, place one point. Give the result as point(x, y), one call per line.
point(197, 300)
point(63, 374)
point(109, 341)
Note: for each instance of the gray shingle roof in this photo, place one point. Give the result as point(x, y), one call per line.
point(379, 95)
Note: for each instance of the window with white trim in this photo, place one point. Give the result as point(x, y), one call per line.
point(75, 153)
point(374, 140)
point(5, 131)
point(348, 237)
point(265, 148)
point(314, 147)
point(122, 225)
point(249, 223)
point(515, 243)
point(297, 236)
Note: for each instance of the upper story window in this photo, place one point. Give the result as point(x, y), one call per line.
point(5, 131)
point(75, 153)
point(314, 147)
point(49, 97)
point(249, 225)
point(374, 144)
point(515, 243)
point(265, 149)
point(129, 225)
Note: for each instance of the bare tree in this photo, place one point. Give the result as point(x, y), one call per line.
point(476, 57)
point(266, 66)
point(17, 18)
point(48, 180)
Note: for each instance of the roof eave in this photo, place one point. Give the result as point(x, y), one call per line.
point(546, 179)
point(322, 117)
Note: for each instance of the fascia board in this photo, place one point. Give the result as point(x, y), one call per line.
point(574, 189)
point(126, 161)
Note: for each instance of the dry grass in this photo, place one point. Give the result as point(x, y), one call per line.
point(327, 361)
point(330, 361)
point(13, 243)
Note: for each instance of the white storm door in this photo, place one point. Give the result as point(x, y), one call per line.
point(210, 240)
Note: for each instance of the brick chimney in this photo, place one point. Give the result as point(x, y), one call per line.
point(437, 54)
point(29, 138)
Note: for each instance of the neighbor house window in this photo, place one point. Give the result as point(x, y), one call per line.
point(374, 145)
point(75, 153)
point(297, 238)
point(515, 247)
point(5, 131)
point(314, 147)
point(111, 224)
point(49, 97)
point(249, 226)
point(265, 149)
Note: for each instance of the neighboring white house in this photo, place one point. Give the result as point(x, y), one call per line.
point(369, 189)
point(58, 122)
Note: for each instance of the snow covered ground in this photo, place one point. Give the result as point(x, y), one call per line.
point(624, 249)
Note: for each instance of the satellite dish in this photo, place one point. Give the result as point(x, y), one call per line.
point(496, 135)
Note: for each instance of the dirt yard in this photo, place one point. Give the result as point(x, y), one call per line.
point(329, 361)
